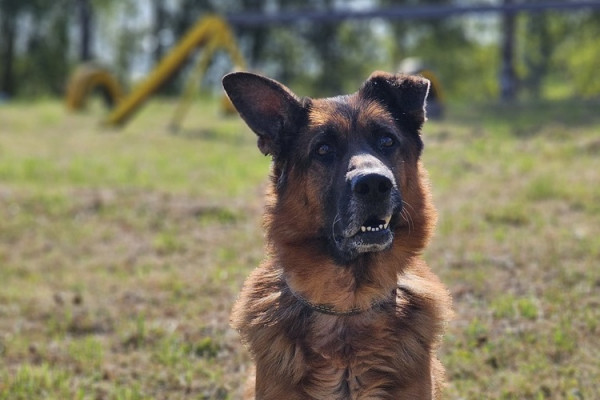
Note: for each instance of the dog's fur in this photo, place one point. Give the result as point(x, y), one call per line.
point(343, 307)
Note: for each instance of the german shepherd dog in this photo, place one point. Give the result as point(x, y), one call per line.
point(343, 306)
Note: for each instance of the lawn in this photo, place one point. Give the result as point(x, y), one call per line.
point(121, 252)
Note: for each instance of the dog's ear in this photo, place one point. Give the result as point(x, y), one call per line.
point(269, 108)
point(403, 95)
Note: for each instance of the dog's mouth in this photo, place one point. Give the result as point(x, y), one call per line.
point(374, 224)
point(372, 235)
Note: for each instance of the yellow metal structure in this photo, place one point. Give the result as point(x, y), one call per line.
point(88, 78)
point(224, 41)
point(435, 99)
point(436, 86)
point(210, 33)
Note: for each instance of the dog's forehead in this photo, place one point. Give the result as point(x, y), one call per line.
point(346, 114)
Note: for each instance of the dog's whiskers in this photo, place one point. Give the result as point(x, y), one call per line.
point(407, 216)
point(336, 219)
point(408, 205)
point(407, 219)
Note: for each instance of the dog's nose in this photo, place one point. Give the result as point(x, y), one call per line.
point(372, 186)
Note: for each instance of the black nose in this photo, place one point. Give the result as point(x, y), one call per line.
point(372, 186)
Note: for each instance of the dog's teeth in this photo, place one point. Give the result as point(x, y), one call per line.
point(374, 228)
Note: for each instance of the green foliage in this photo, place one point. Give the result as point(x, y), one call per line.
point(578, 52)
point(556, 52)
point(43, 66)
point(36, 382)
point(87, 353)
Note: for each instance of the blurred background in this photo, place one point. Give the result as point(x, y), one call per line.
point(131, 195)
point(551, 48)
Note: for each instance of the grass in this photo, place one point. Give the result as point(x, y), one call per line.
point(121, 252)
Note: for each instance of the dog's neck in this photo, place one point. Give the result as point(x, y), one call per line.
point(344, 289)
point(329, 309)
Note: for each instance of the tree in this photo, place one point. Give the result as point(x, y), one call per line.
point(10, 11)
point(577, 55)
point(508, 84)
point(86, 18)
point(159, 24)
point(537, 44)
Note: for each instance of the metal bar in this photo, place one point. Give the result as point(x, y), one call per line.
point(423, 12)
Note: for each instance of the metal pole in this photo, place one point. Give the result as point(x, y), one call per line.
point(403, 12)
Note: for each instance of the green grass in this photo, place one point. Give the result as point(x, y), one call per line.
point(121, 252)
point(517, 244)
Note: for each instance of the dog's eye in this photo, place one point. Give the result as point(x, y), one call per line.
point(386, 141)
point(324, 149)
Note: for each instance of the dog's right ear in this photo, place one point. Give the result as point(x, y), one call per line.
point(269, 108)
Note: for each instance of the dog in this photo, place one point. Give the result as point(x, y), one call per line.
point(343, 306)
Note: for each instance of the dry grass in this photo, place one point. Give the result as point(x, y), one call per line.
point(122, 252)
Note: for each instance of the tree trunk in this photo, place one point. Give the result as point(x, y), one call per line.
point(7, 53)
point(86, 25)
point(507, 73)
point(160, 15)
point(539, 51)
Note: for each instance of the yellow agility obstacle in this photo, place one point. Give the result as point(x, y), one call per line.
point(85, 80)
point(210, 33)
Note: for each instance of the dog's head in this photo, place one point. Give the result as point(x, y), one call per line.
point(345, 169)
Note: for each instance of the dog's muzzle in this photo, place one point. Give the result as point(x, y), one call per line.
point(373, 198)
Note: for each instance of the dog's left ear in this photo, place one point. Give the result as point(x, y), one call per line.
point(403, 95)
point(270, 109)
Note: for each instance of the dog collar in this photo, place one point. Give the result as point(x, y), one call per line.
point(330, 309)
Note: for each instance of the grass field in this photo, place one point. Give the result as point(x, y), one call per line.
point(121, 252)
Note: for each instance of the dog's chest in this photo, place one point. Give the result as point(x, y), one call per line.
point(342, 339)
point(352, 358)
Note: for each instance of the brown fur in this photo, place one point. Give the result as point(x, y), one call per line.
point(387, 350)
